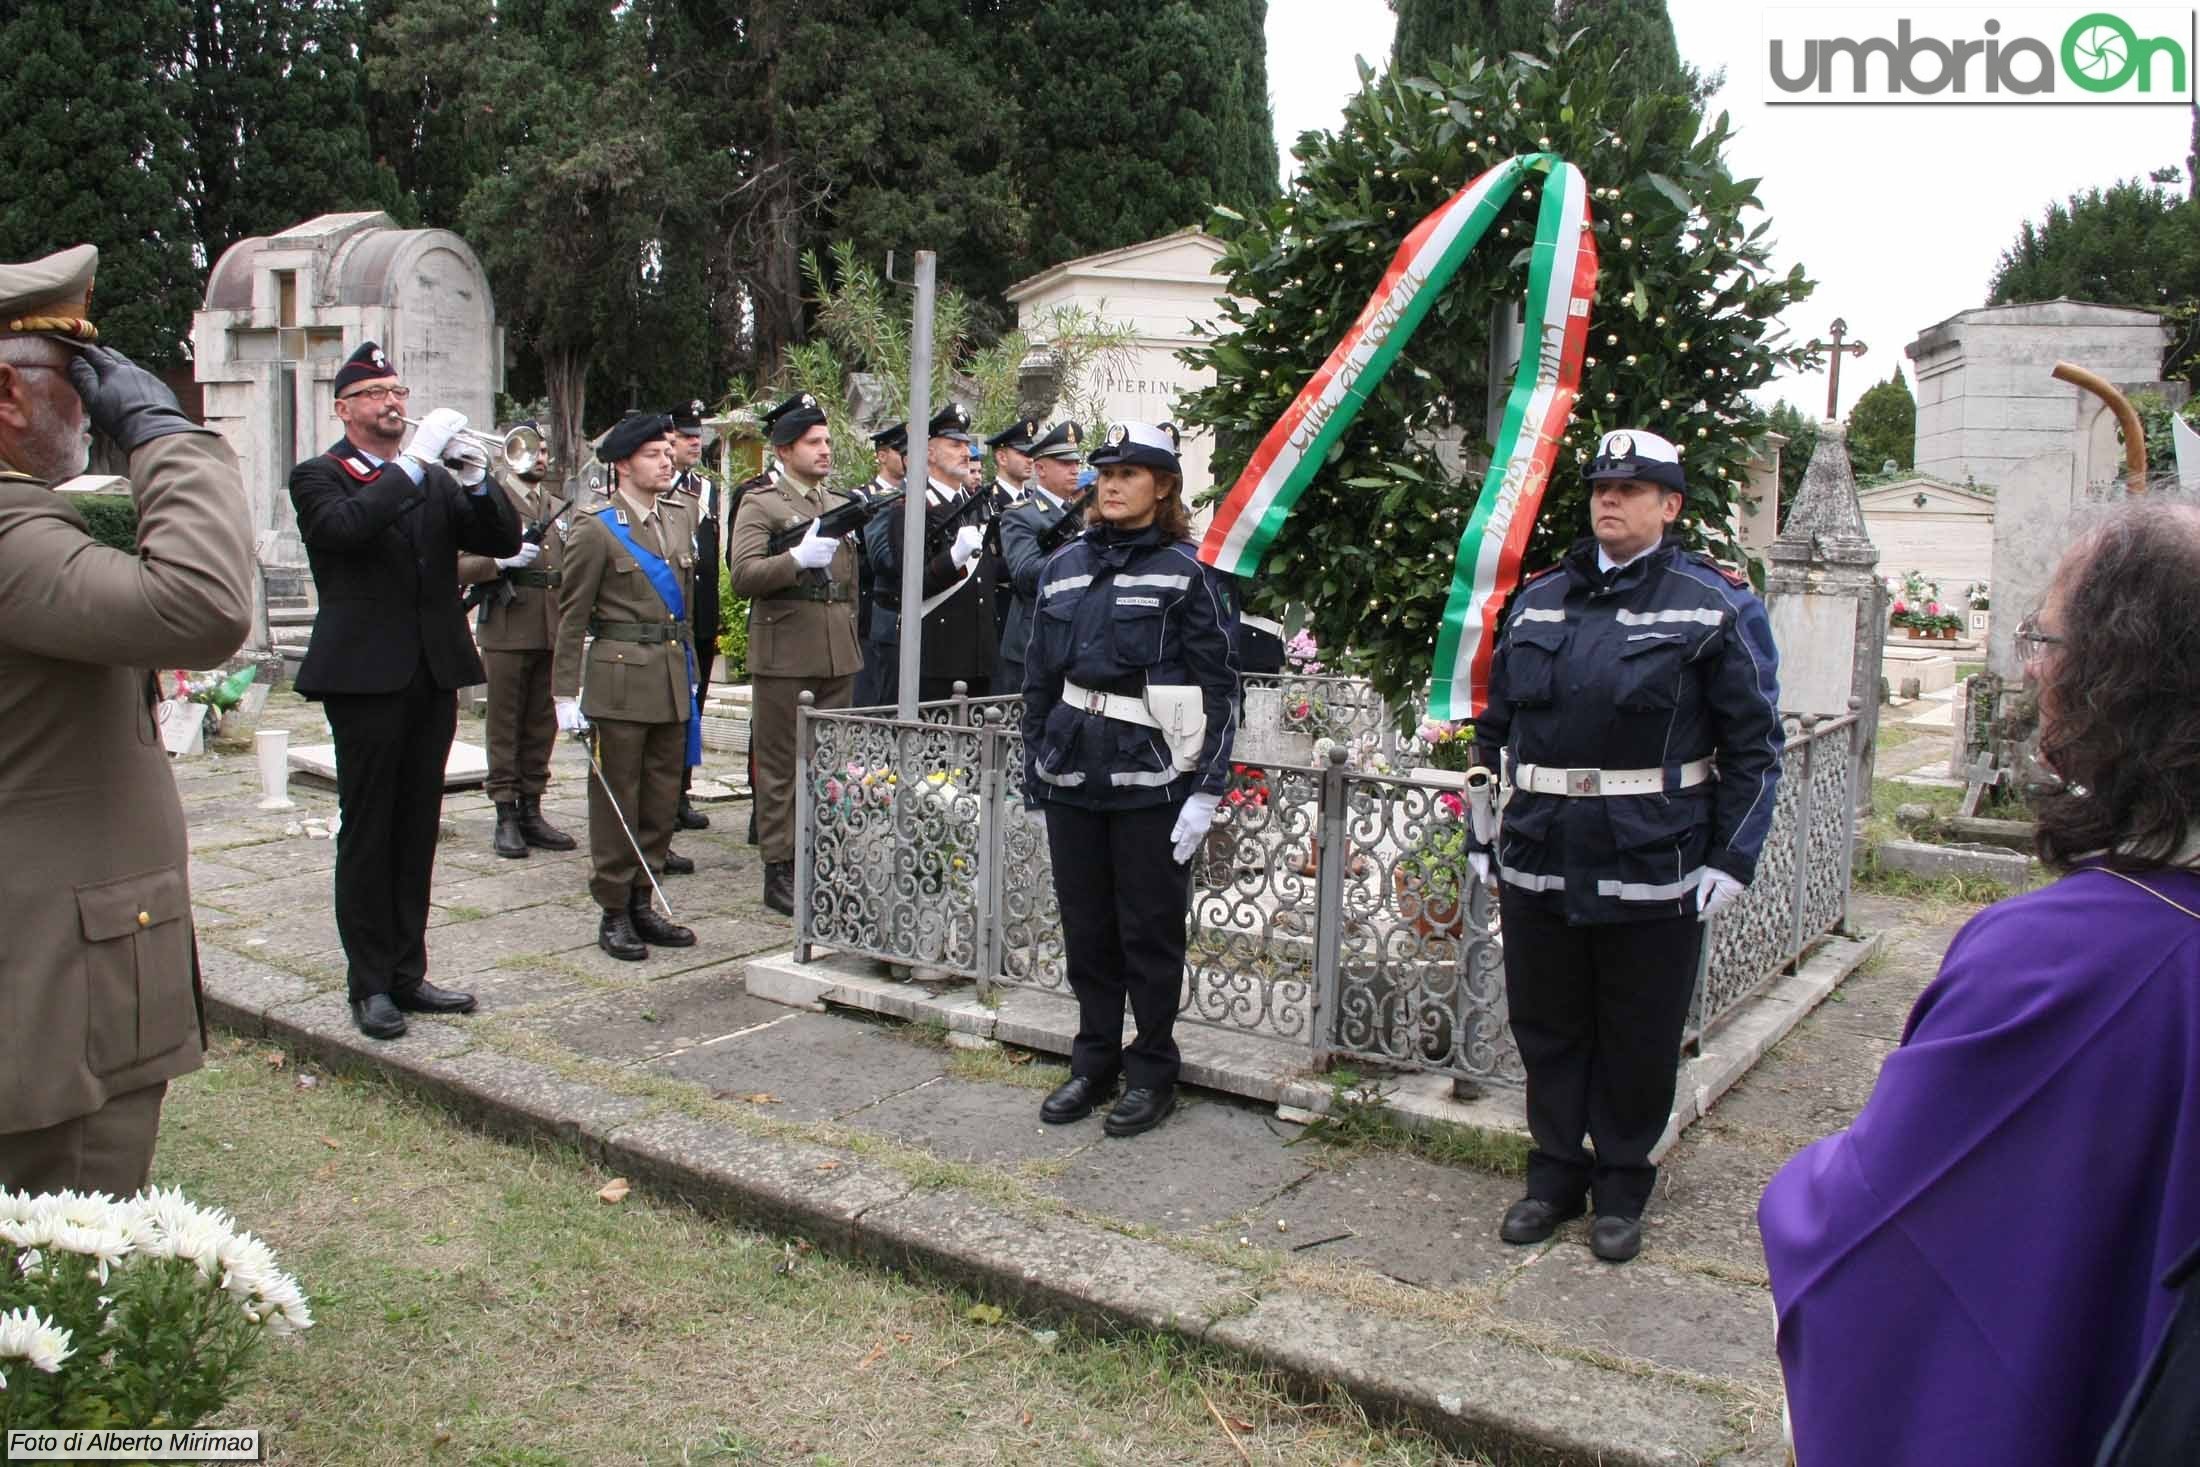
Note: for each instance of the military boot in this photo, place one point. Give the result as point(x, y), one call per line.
point(615, 934)
point(779, 887)
point(688, 817)
point(537, 831)
point(654, 929)
point(509, 840)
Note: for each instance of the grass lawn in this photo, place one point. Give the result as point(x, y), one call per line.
point(476, 1302)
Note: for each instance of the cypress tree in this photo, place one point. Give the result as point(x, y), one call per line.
point(1428, 30)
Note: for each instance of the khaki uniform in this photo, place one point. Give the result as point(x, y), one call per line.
point(517, 636)
point(632, 680)
point(802, 639)
point(97, 992)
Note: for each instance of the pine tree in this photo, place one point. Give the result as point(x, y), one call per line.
point(2132, 244)
point(1883, 427)
point(1428, 30)
point(1801, 431)
point(93, 154)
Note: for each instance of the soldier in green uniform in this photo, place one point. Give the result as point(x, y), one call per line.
point(627, 568)
point(802, 621)
point(516, 629)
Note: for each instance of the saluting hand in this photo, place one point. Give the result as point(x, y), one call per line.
point(128, 406)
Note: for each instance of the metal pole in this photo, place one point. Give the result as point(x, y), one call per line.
point(913, 497)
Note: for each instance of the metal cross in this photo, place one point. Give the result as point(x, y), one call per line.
point(1836, 348)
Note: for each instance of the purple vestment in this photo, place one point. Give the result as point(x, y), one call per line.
point(1971, 1273)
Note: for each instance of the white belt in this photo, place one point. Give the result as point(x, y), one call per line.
point(1261, 624)
point(1547, 779)
point(1120, 706)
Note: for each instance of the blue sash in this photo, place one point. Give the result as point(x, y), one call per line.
point(667, 586)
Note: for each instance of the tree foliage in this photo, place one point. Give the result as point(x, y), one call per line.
point(2134, 243)
point(1801, 431)
point(1683, 326)
point(1429, 30)
point(1882, 427)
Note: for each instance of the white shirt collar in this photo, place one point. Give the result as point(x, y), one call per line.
point(1606, 564)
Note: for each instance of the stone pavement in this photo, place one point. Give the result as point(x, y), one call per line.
point(1372, 1266)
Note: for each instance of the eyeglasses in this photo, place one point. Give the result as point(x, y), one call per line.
point(377, 394)
point(2032, 643)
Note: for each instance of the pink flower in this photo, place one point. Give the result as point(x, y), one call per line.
point(1932, 608)
point(1451, 804)
point(1901, 607)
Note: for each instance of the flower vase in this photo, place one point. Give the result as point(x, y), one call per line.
point(271, 751)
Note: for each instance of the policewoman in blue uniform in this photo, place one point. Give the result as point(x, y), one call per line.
point(1634, 699)
point(1130, 707)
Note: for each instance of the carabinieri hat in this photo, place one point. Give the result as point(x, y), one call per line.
point(793, 418)
point(1148, 444)
point(952, 421)
point(1632, 453)
point(50, 296)
point(630, 433)
point(367, 364)
point(1016, 435)
point(895, 438)
point(687, 417)
point(1063, 440)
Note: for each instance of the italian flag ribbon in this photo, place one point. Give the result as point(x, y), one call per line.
point(1562, 281)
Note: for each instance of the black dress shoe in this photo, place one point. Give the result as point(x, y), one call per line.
point(1139, 1110)
point(655, 930)
point(1532, 1220)
point(508, 841)
point(1615, 1239)
point(377, 1017)
point(779, 887)
point(678, 865)
point(425, 998)
point(537, 831)
point(615, 934)
point(1075, 1098)
point(690, 818)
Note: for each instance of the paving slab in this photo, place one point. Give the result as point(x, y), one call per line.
point(1705, 1208)
point(1645, 1311)
point(1411, 1219)
point(960, 1120)
point(635, 1025)
point(271, 854)
point(210, 874)
point(1214, 1159)
point(821, 1067)
point(720, 943)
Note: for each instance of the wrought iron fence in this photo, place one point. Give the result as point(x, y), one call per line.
point(1330, 905)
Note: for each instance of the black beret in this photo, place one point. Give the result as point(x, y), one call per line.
point(364, 365)
point(952, 421)
point(687, 417)
point(1016, 435)
point(793, 418)
point(896, 438)
point(1063, 440)
point(630, 433)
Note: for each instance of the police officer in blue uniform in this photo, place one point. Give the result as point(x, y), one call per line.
point(1634, 698)
point(1130, 707)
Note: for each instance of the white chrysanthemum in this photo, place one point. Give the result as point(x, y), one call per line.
point(199, 1241)
point(14, 1206)
point(287, 1306)
point(248, 1265)
point(107, 1246)
point(29, 1259)
point(25, 1336)
point(27, 1232)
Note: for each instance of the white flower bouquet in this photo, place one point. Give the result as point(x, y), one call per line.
point(147, 1312)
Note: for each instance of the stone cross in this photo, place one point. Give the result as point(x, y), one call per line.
point(1835, 349)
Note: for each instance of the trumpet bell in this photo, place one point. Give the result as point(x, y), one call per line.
point(523, 450)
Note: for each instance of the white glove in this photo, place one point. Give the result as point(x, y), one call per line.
point(570, 719)
point(468, 471)
point(1036, 818)
point(1191, 826)
point(814, 552)
point(1479, 863)
point(967, 541)
point(1716, 890)
point(435, 433)
point(527, 555)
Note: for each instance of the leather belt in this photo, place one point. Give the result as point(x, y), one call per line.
point(1122, 707)
point(1549, 779)
point(531, 577)
point(647, 633)
point(832, 595)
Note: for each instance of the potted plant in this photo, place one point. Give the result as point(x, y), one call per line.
point(1431, 877)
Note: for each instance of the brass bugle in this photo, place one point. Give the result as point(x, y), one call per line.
point(519, 450)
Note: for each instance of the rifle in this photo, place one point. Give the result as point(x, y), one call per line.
point(841, 519)
point(941, 534)
point(1071, 519)
point(500, 592)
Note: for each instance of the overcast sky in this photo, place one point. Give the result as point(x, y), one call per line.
point(1899, 213)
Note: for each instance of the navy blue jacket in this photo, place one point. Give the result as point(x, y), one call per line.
point(1116, 611)
point(1666, 661)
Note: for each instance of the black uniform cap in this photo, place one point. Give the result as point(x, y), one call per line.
point(1063, 440)
point(364, 365)
point(896, 438)
point(1017, 435)
point(630, 433)
point(687, 417)
point(952, 421)
point(793, 418)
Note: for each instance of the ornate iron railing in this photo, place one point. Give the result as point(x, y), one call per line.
point(1330, 905)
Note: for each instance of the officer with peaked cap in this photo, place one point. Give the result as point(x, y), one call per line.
point(802, 621)
point(1034, 528)
point(624, 678)
point(876, 683)
point(1012, 468)
point(697, 493)
point(1633, 699)
point(383, 522)
point(1130, 708)
point(516, 628)
point(99, 983)
point(959, 640)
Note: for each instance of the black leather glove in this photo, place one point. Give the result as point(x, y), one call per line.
point(128, 406)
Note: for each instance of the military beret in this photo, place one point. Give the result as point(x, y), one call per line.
point(1631, 453)
point(687, 417)
point(630, 433)
point(1063, 440)
point(895, 438)
point(367, 364)
point(952, 421)
point(50, 296)
point(1149, 444)
point(793, 418)
point(1016, 435)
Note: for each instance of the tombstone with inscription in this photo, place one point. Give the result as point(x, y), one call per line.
point(283, 311)
point(1824, 597)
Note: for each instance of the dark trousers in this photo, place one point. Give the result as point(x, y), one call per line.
point(1010, 679)
point(1124, 904)
point(940, 689)
point(110, 1150)
point(880, 675)
point(521, 724)
point(1597, 1012)
point(390, 752)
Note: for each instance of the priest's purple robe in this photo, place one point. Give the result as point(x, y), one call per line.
point(1972, 1272)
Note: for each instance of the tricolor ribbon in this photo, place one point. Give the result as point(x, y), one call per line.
point(1562, 280)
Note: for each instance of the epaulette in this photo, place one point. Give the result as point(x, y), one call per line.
point(1533, 576)
point(1735, 578)
point(598, 507)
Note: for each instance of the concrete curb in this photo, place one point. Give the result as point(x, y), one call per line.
point(1544, 1407)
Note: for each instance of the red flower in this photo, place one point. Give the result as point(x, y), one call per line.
point(1452, 804)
